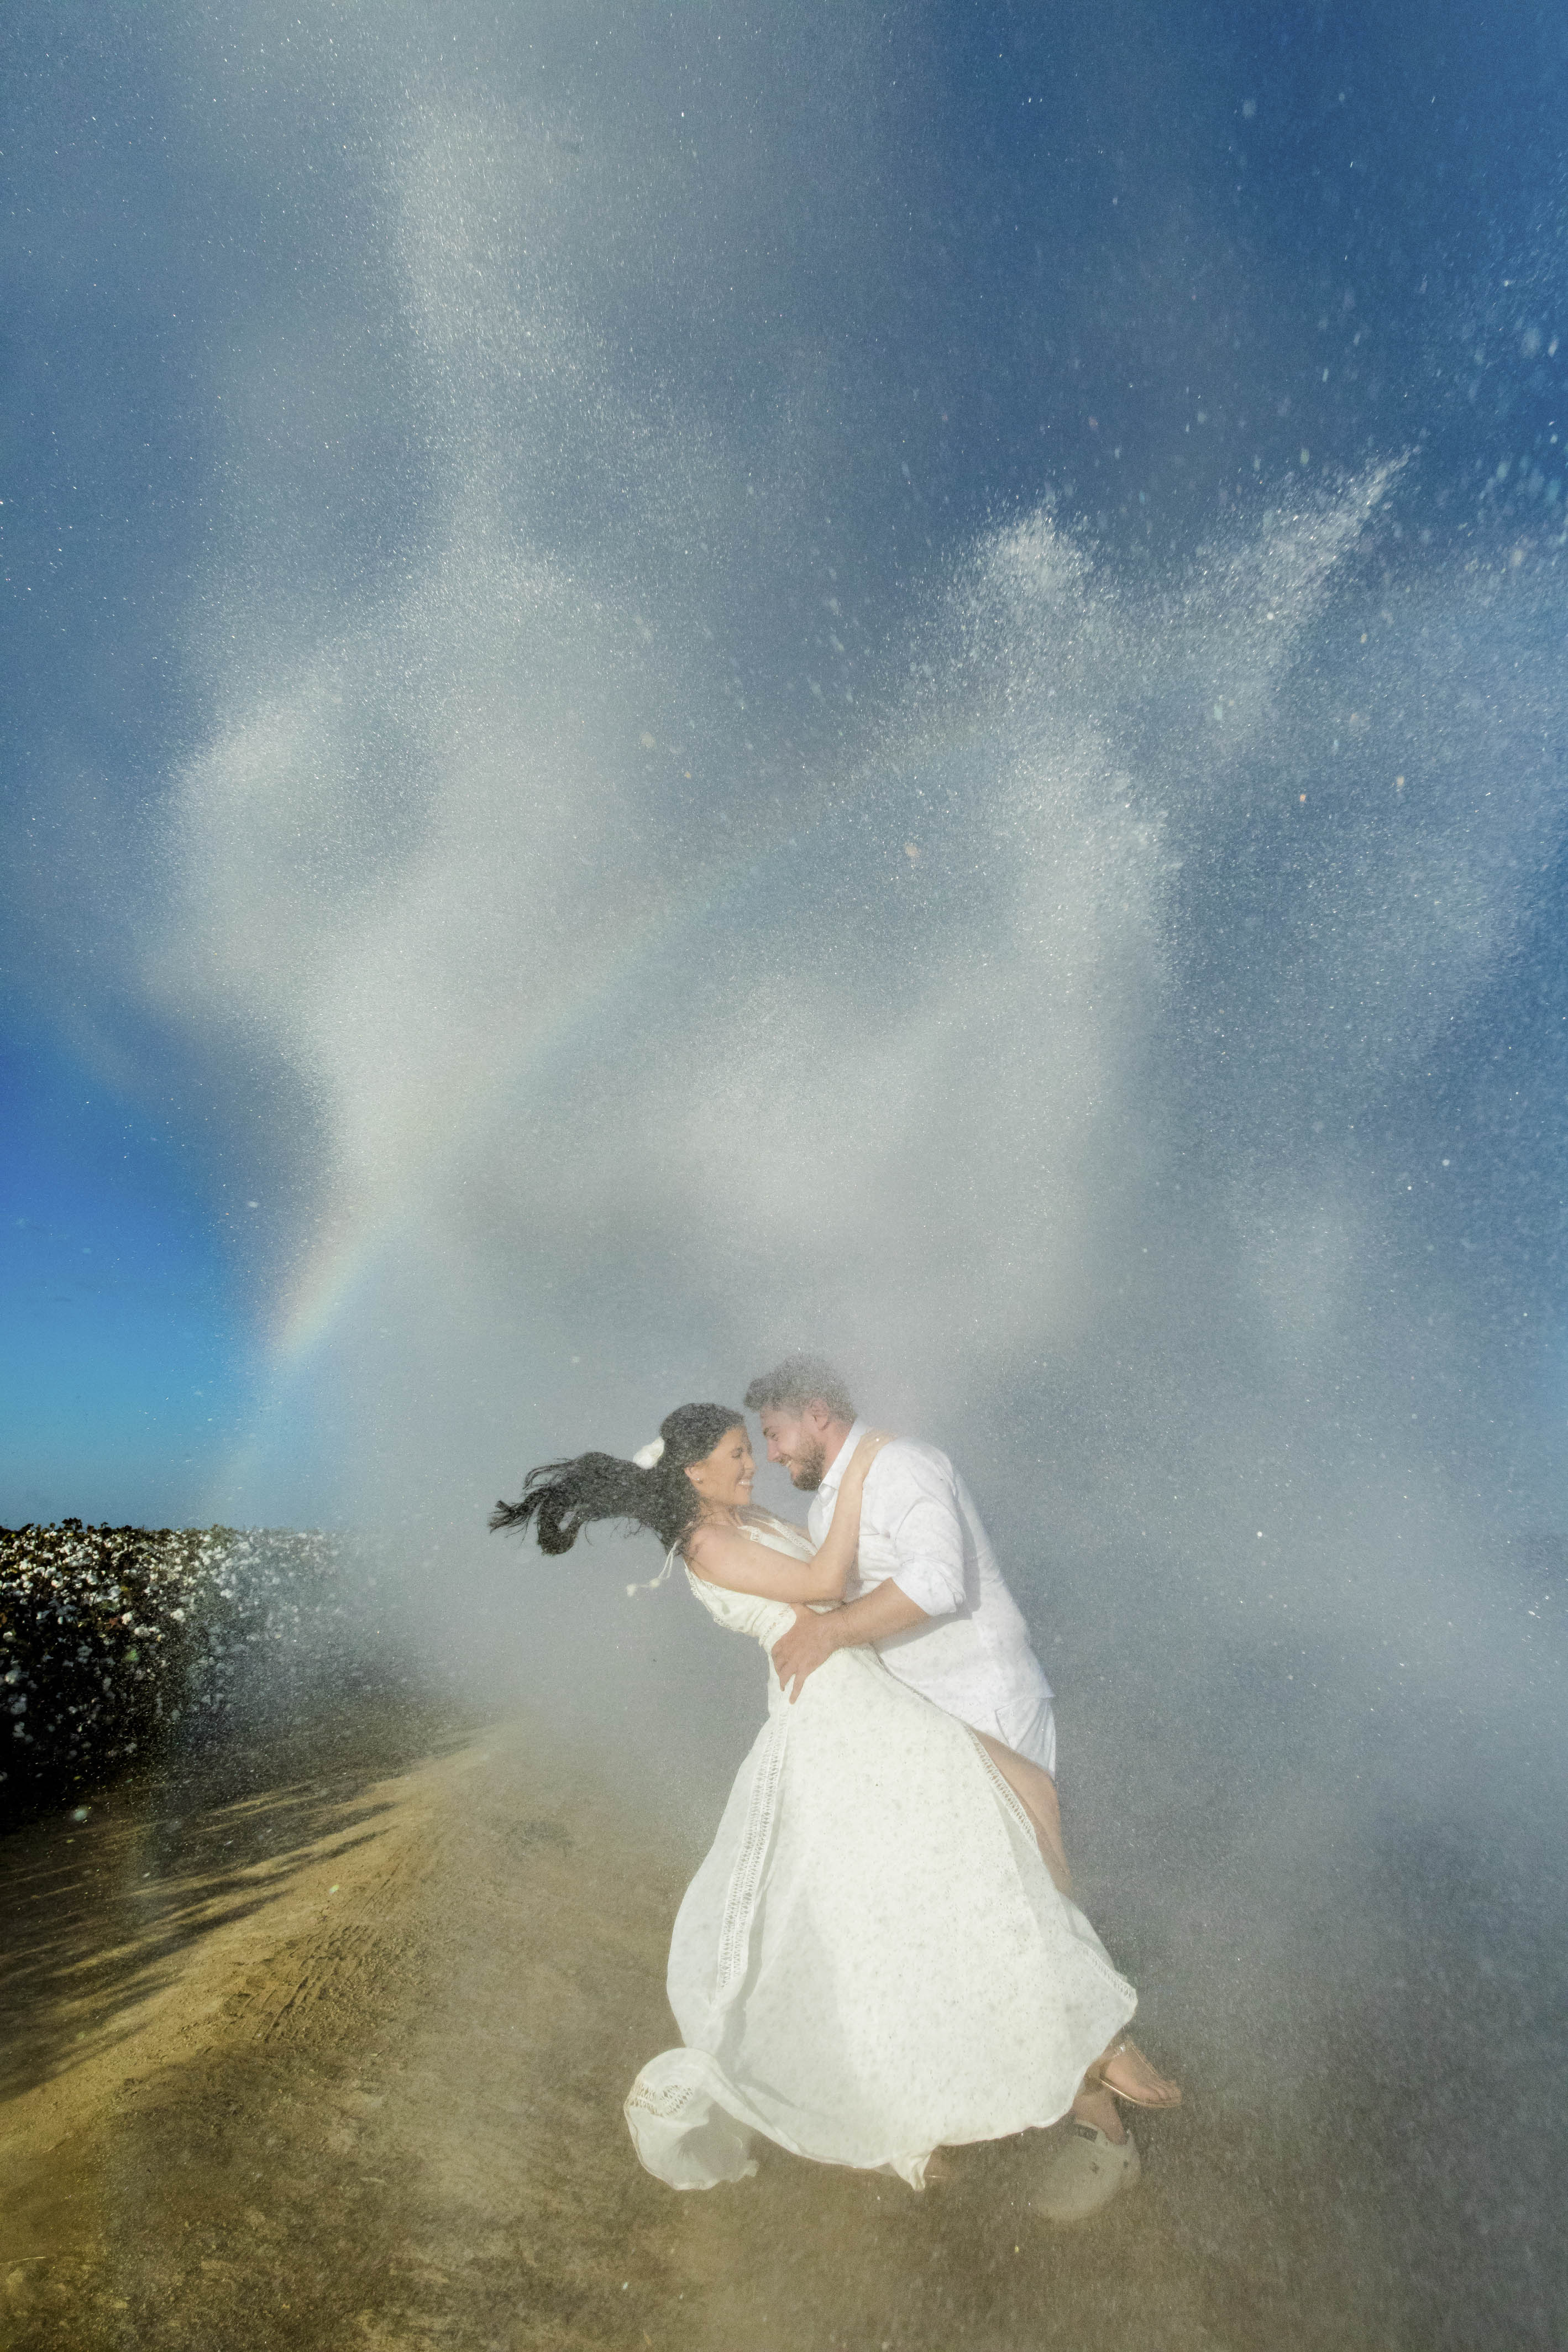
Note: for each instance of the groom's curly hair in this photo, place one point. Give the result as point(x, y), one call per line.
point(800, 1380)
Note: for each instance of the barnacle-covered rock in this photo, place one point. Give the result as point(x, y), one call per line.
point(112, 1640)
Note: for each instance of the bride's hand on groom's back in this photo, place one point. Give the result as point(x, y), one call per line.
point(868, 1449)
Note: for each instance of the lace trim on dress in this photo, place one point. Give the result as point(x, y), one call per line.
point(1004, 1787)
point(665, 2098)
point(746, 1878)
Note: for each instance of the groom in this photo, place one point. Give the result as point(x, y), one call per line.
point(927, 1589)
point(927, 1592)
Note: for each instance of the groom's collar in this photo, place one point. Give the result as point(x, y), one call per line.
point(840, 1461)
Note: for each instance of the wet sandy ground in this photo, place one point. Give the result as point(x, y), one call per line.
point(332, 2054)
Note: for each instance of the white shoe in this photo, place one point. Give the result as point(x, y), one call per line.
point(1085, 2173)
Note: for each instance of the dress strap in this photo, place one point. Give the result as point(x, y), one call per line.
point(653, 1582)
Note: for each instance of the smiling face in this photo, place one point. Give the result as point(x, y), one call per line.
point(723, 1478)
point(799, 1437)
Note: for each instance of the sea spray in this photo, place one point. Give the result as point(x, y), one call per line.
point(116, 1642)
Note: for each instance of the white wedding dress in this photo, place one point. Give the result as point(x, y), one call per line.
point(872, 1961)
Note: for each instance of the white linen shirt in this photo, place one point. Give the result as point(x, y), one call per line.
point(919, 1525)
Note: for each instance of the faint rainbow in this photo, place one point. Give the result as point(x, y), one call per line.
point(343, 1264)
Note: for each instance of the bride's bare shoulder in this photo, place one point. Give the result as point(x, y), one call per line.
point(701, 1548)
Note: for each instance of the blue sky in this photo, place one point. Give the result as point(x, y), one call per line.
point(899, 281)
point(127, 1362)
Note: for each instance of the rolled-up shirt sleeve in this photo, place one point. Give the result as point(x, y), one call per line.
point(919, 1507)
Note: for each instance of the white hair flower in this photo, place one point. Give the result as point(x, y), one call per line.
point(647, 1455)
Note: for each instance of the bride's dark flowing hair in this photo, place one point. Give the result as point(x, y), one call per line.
point(561, 1499)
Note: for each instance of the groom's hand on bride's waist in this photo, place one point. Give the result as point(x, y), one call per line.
point(799, 1651)
point(886, 1609)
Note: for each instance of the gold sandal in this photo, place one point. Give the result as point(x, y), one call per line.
point(1097, 2079)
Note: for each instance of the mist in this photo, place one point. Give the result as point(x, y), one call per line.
point(660, 865)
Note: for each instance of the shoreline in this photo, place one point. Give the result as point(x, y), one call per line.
point(346, 2066)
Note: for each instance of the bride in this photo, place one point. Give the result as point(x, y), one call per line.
point(877, 1957)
